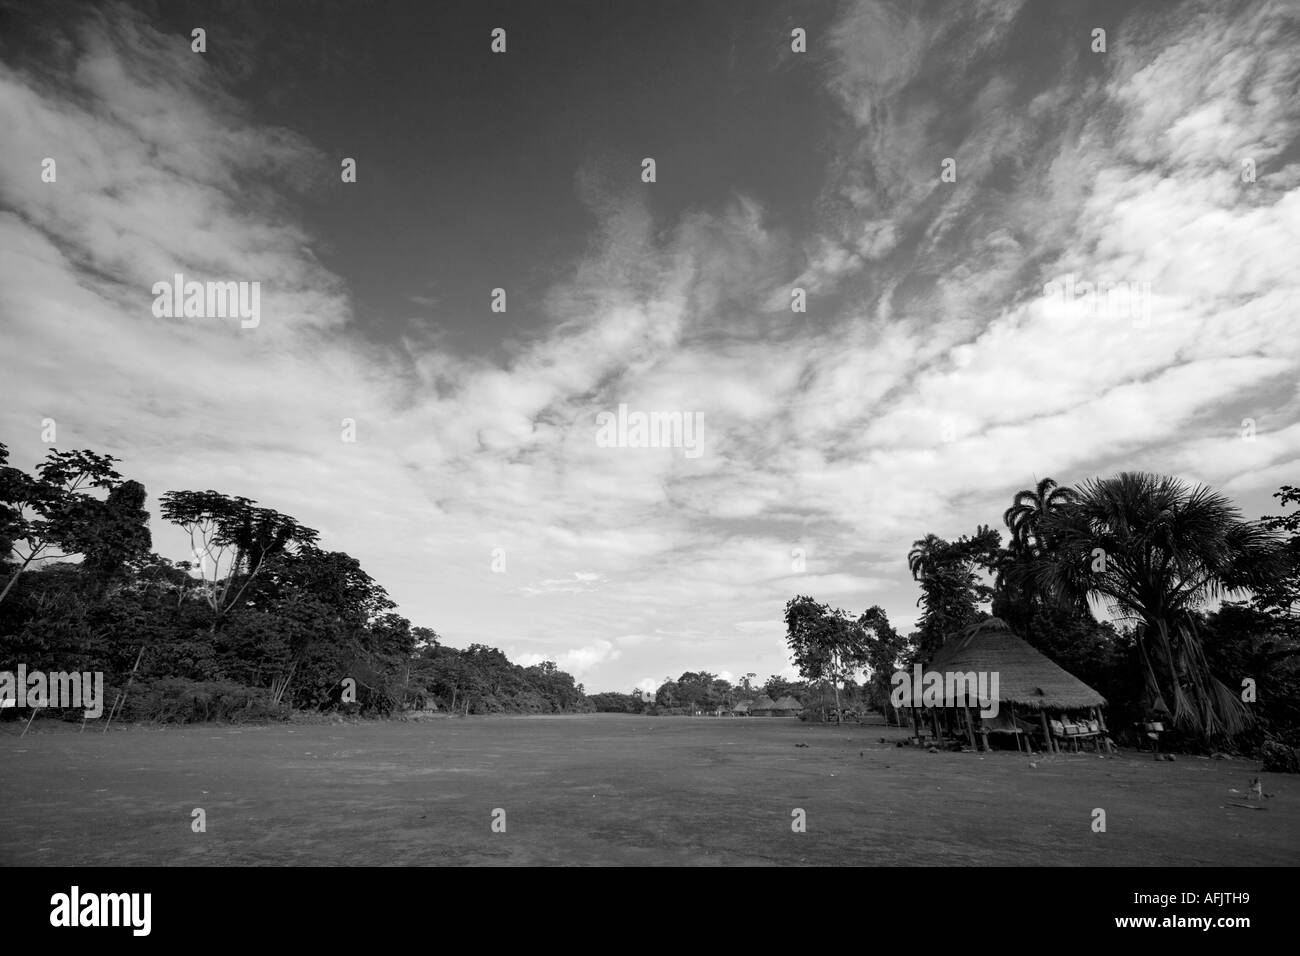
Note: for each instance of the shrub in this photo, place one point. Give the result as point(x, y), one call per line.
point(1277, 757)
point(175, 700)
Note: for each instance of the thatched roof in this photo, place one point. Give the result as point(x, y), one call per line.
point(763, 702)
point(788, 703)
point(741, 708)
point(1026, 678)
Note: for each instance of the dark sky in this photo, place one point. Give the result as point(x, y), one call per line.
point(467, 160)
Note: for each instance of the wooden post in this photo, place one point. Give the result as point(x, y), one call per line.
point(121, 698)
point(970, 727)
point(1047, 733)
point(916, 725)
point(1105, 734)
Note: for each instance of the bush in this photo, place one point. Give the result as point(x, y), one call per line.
point(1277, 757)
point(175, 700)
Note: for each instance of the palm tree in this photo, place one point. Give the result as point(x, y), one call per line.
point(925, 554)
point(1156, 550)
point(1030, 509)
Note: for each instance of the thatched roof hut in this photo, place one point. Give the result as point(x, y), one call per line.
point(1026, 678)
point(741, 709)
point(788, 706)
point(763, 706)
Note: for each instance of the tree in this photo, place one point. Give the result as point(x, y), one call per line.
point(333, 577)
point(1028, 512)
point(1278, 594)
point(666, 695)
point(54, 510)
point(826, 644)
point(111, 533)
point(951, 587)
point(231, 530)
point(885, 650)
point(777, 687)
point(1066, 632)
point(10, 517)
point(1156, 550)
point(700, 691)
point(925, 556)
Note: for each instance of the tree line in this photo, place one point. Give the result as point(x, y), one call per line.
point(260, 621)
point(1204, 611)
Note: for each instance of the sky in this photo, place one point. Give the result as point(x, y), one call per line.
point(949, 184)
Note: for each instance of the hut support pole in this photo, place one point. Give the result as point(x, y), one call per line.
point(916, 725)
point(1105, 734)
point(1047, 733)
point(970, 727)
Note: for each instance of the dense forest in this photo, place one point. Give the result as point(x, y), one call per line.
point(262, 622)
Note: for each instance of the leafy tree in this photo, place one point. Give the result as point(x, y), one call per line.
point(666, 695)
point(826, 644)
point(777, 687)
point(54, 509)
point(1278, 594)
point(612, 702)
point(233, 531)
point(951, 587)
point(1242, 641)
point(111, 534)
point(885, 651)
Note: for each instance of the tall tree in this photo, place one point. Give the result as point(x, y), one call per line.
point(825, 644)
point(233, 532)
point(885, 650)
point(1278, 595)
point(111, 533)
point(55, 510)
point(951, 586)
point(1067, 633)
point(1028, 512)
point(1156, 550)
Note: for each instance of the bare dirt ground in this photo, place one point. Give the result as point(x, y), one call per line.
point(612, 789)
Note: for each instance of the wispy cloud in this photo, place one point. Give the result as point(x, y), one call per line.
point(930, 379)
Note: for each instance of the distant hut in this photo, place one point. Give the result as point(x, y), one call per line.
point(788, 706)
point(1029, 684)
point(741, 709)
point(764, 706)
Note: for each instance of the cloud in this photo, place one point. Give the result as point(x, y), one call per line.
point(577, 661)
point(931, 378)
